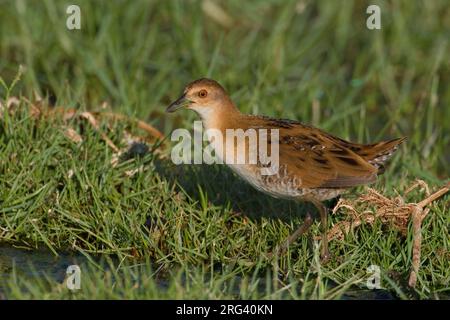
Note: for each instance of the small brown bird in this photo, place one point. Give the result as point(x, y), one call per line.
point(313, 165)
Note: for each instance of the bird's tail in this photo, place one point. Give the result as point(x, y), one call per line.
point(377, 154)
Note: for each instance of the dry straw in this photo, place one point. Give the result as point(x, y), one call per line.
point(373, 206)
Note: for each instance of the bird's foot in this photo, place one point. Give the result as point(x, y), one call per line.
point(282, 249)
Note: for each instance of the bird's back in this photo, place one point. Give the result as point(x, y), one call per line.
point(321, 160)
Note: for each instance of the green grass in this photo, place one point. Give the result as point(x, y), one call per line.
point(276, 60)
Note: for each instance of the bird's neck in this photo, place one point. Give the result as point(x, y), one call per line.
point(220, 116)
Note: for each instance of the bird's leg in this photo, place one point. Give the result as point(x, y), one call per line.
point(325, 255)
point(297, 233)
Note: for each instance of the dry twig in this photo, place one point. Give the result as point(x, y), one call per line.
point(389, 211)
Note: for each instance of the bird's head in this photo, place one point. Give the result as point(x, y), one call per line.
point(206, 97)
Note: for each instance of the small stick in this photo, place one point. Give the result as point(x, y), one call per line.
point(434, 196)
point(141, 124)
point(417, 218)
point(90, 118)
point(417, 243)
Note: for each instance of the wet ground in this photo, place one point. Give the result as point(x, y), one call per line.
point(35, 263)
point(43, 263)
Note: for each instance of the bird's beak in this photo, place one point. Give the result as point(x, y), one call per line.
point(179, 103)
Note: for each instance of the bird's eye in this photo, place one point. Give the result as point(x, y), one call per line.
point(202, 93)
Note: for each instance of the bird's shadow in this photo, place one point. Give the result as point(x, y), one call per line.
point(225, 189)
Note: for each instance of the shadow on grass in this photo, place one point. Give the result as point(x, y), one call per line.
point(225, 189)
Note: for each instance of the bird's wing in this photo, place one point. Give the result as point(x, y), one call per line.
point(377, 153)
point(318, 159)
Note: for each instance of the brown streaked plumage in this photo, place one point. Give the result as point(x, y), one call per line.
point(313, 165)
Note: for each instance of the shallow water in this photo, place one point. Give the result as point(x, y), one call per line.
point(43, 263)
point(35, 263)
